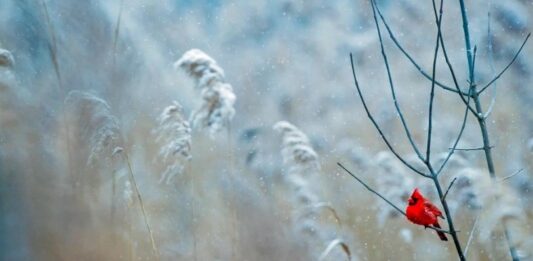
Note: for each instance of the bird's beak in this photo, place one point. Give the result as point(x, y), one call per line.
point(410, 201)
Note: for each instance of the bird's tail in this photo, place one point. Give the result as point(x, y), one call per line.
point(441, 234)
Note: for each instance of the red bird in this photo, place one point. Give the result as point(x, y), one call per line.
point(422, 212)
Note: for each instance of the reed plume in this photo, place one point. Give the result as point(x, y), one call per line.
point(296, 150)
point(96, 125)
point(302, 165)
point(216, 110)
point(173, 133)
point(98, 128)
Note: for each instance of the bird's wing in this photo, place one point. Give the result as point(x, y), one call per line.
point(433, 209)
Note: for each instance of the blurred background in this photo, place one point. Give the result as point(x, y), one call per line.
point(236, 199)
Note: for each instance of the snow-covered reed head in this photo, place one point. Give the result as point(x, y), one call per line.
point(96, 125)
point(301, 162)
point(6, 58)
point(173, 133)
point(217, 108)
point(297, 152)
point(201, 67)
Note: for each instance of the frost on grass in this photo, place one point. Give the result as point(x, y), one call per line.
point(95, 124)
point(173, 134)
point(217, 108)
point(6, 58)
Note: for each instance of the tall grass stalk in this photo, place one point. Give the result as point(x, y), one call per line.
point(52, 48)
point(141, 204)
point(482, 116)
point(117, 31)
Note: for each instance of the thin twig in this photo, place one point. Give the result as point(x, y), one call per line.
point(391, 85)
point(454, 77)
point(506, 67)
point(409, 57)
point(432, 93)
point(385, 199)
point(454, 148)
point(376, 124)
point(465, 101)
point(474, 57)
point(512, 175)
point(470, 149)
point(448, 189)
point(371, 189)
point(453, 232)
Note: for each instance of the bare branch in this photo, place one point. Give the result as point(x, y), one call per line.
point(481, 120)
point(376, 124)
point(371, 189)
point(454, 77)
point(441, 230)
point(391, 85)
point(454, 148)
point(466, 102)
point(512, 175)
point(385, 199)
point(432, 93)
point(506, 67)
point(470, 149)
point(448, 189)
point(415, 64)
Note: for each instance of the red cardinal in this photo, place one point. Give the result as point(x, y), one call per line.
point(422, 212)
